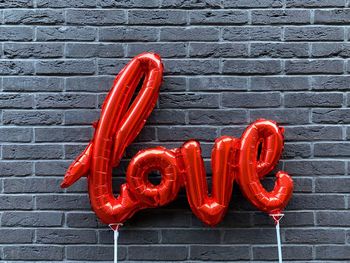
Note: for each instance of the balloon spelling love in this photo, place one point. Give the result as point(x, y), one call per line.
point(232, 158)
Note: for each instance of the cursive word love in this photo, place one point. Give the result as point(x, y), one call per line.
point(245, 160)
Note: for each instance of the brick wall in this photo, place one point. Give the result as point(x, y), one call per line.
point(227, 63)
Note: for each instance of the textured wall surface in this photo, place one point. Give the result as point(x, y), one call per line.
point(227, 63)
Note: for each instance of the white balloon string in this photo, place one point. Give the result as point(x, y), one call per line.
point(277, 218)
point(115, 228)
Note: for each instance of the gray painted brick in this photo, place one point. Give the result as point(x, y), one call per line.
point(252, 33)
point(268, 17)
point(314, 33)
point(156, 17)
point(95, 17)
point(65, 33)
point(218, 17)
point(33, 253)
point(227, 50)
point(32, 84)
point(34, 17)
point(31, 219)
point(174, 253)
point(251, 67)
point(20, 33)
point(220, 253)
point(37, 50)
point(65, 236)
point(189, 34)
point(227, 63)
point(84, 50)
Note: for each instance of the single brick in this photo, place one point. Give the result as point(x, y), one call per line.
point(65, 3)
point(157, 253)
point(81, 117)
point(84, 50)
point(51, 167)
point(32, 185)
point(15, 168)
point(82, 220)
point(189, 4)
point(252, 67)
point(331, 116)
point(219, 117)
point(186, 133)
point(190, 236)
point(37, 50)
point(314, 66)
point(317, 202)
point(16, 100)
point(314, 33)
point(334, 16)
point(89, 84)
point(65, 236)
point(221, 253)
point(218, 17)
point(34, 17)
point(315, 3)
point(191, 67)
point(128, 34)
point(280, 16)
point(62, 202)
point(330, 50)
point(288, 253)
point(31, 219)
point(332, 185)
point(16, 3)
point(313, 99)
point(189, 34)
point(129, 3)
point(252, 33)
point(95, 17)
point(130, 237)
point(212, 83)
point(280, 83)
point(281, 116)
point(315, 236)
point(333, 252)
point(250, 99)
point(18, 33)
point(66, 33)
point(110, 66)
point(16, 67)
point(35, 151)
point(170, 117)
point(253, 4)
point(98, 253)
point(330, 82)
point(16, 202)
point(332, 149)
point(336, 218)
point(63, 134)
point(52, 101)
point(315, 167)
point(48, 253)
point(157, 17)
point(313, 133)
point(279, 50)
point(295, 150)
point(225, 50)
point(189, 100)
point(32, 83)
point(65, 67)
point(13, 236)
point(19, 117)
point(165, 50)
point(15, 134)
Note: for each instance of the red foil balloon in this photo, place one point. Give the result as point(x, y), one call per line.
point(232, 158)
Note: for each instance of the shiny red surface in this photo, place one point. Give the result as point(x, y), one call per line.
point(232, 158)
